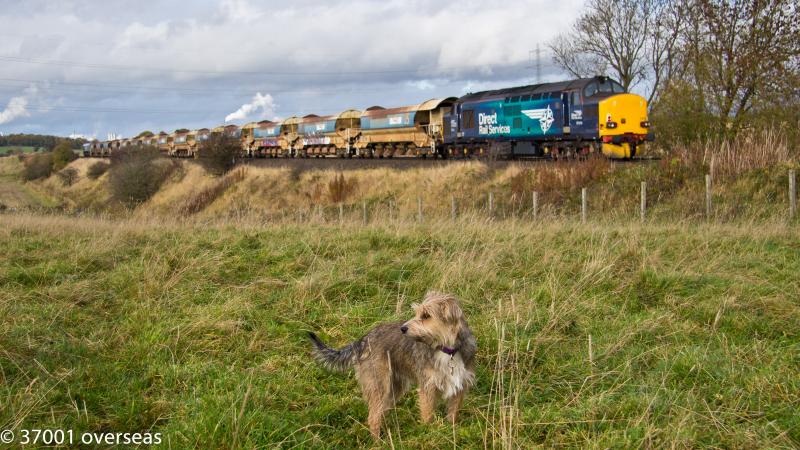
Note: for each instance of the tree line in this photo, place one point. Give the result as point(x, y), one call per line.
point(39, 141)
point(708, 68)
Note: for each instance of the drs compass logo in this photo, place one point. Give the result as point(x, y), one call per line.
point(545, 117)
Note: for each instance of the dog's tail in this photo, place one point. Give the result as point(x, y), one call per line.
point(337, 360)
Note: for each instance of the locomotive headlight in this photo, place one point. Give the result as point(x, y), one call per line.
point(611, 125)
point(645, 124)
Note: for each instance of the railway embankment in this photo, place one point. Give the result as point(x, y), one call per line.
point(695, 183)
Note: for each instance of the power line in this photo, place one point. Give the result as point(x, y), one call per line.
point(115, 88)
point(89, 109)
point(538, 64)
point(212, 72)
point(66, 63)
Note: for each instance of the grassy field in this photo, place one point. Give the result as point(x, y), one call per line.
point(590, 336)
point(16, 149)
point(17, 195)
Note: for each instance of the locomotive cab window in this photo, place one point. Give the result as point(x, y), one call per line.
point(606, 86)
point(576, 98)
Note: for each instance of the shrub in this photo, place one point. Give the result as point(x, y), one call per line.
point(63, 155)
point(522, 182)
point(68, 176)
point(339, 189)
point(219, 153)
point(96, 170)
point(135, 174)
point(38, 166)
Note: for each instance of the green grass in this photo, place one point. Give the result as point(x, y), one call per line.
point(16, 149)
point(197, 332)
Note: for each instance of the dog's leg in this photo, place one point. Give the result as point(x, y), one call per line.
point(376, 409)
point(427, 402)
point(376, 386)
point(453, 405)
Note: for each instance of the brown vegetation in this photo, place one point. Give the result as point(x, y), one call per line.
point(38, 166)
point(200, 200)
point(135, 174)
point(96, 170)
point(68, 176)
point(219, 153)
point(340, 188)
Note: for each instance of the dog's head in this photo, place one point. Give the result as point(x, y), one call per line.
point(437, 320)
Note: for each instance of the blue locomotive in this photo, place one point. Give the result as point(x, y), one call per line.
point(577, 117)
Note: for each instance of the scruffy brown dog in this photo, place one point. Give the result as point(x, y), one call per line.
point(434, 350)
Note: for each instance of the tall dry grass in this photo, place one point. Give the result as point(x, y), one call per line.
point(748, 151)
point(198, 201)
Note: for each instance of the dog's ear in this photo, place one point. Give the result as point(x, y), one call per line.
point(451, 312)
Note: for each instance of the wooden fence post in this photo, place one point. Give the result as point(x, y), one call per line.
point(453, 212)
point(419, 209)
point(644, 201)
point(364, 208)
point(341, 213)
point(535, 204)
point(792, 195)
point(583, 205)
point(491, 204)
point(708, 196)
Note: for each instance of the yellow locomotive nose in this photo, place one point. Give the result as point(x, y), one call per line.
point(623, 125)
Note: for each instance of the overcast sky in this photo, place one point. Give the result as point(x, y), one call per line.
point(94, 67)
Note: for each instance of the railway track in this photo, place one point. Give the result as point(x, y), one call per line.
point(400, 163)
point(340, 164)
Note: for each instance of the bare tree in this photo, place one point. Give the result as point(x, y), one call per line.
point(666, 38)
point(611, 34)
point(743, 50)
point(635, 42)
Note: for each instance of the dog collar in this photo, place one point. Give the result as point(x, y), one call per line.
point(448, 350)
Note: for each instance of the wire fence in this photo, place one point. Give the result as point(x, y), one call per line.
point(493, 205)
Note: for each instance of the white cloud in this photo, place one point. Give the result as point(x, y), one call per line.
point(422, 85)
point(82, 136)
point(239, 11)
point(17, 107)
point(138, 35)
point(265, 103)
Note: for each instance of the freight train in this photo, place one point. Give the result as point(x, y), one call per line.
point(564, 119)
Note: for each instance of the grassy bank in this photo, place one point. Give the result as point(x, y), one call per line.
point(197, 331)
